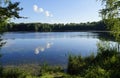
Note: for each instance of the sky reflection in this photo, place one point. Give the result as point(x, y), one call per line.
point(43, 48)
point(36, 48)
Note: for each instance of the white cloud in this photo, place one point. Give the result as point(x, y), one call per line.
point(41, 10)
point(47, 13)
point(35, 8)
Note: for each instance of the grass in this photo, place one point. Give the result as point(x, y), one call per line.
point(33, 71)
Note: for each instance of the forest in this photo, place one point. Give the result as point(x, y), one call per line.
point(45, 27)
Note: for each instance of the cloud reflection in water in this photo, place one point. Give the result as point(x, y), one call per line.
point(48, 45)
point(42, 49)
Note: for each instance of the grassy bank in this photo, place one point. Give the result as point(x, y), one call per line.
point(33, 71)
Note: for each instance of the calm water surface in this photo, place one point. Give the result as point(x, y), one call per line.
point(52, 48)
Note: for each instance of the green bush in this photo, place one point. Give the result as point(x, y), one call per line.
point(96, 72)
point(76, 65)
point(1, 71)
point(107, 60)
point(13, 73)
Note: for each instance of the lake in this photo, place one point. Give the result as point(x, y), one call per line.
point(52, 48)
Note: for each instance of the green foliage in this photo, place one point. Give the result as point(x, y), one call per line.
point(1, 70)
point(13, 73)
point(8, 10)
point(96, 72)
point(45, 71)
point(49, 69)
point(110, 15)
point(106, 64)
point(44, 27)
point(77, 65)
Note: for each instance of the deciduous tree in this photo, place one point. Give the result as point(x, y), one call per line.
point(111, 15)
point(8, 10)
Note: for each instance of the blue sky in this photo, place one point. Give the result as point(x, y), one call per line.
point(59, 11)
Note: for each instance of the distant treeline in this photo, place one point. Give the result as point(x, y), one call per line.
point(45, 27)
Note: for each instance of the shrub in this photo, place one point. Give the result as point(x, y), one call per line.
point(96, 72)
point(76, 65)
point(14, 73)
point(107, 60)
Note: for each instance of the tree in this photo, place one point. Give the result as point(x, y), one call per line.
point(8, 10)
point(111, 16)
